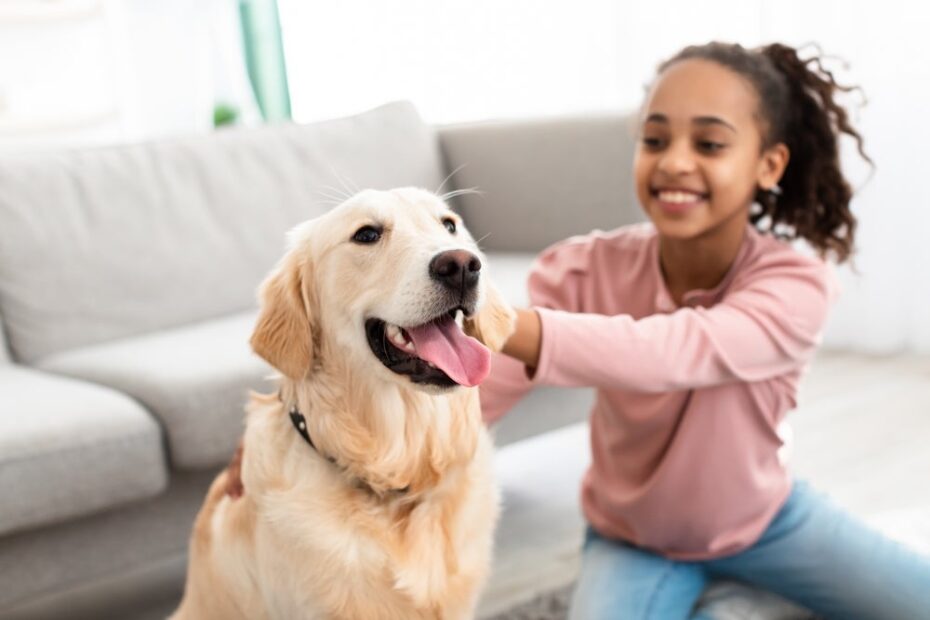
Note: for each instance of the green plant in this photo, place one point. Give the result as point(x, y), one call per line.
point(225, 114)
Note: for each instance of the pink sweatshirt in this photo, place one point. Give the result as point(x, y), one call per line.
point(684, 435)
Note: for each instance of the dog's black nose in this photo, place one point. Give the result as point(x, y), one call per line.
point(456, 269)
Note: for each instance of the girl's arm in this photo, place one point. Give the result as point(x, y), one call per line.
point(768, 328)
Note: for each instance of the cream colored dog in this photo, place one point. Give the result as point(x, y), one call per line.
point(368, 481)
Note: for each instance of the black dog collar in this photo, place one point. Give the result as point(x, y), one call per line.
point(300, 425)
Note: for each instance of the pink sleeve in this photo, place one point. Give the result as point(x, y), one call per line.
point(766, 328)
point(551, 285)
point(503, 388)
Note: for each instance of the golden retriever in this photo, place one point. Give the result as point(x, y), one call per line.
point(368, 490)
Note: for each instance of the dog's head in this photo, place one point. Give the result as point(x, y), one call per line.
point(390, 281)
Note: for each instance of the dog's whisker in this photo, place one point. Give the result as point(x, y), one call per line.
point(449, 176)
point(334, 193)
point(338, 191)
point(483, 237)
point(346, 183)
point(352, 184)
point(470, 191)
point(330, 204)
point(462, 192)
point(330, 196)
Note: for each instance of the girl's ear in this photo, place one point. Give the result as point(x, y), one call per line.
point(772, 165)
point(494, 322)
point(283, 335)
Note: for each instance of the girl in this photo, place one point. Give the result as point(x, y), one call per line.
point(695, 329)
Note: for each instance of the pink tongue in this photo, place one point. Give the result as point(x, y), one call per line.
point(464, 359)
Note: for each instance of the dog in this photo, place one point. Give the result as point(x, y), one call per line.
point(368, 484)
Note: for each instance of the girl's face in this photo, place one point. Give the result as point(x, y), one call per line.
point(699, 160)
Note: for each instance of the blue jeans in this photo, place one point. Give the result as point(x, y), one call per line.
point(812, 553)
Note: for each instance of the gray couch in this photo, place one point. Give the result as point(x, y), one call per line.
point(127, 295)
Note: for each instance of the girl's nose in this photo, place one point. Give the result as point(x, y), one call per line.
point(677, 158)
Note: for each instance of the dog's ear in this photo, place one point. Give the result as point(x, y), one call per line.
point(283, 335)
point(494, 323)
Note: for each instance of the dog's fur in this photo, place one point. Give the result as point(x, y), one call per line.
point(400, 525)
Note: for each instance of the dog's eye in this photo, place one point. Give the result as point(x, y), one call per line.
point(449, 223)
point(367, 235)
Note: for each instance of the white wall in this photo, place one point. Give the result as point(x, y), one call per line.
point(886, 306)
point(147, 68)
point(455, 60)
point(461, 61)
point(75, 72)
point(57, 73)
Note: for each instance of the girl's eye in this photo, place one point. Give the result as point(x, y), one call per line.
point(652, 143)
point(367, 235)
point(710, 146)
point(449, 223)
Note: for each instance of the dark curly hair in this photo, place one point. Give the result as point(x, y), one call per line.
point(797, 107)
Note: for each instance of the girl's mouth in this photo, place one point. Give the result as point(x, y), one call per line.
point(677, 201)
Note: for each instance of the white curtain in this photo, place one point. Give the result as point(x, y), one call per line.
point(461, 61)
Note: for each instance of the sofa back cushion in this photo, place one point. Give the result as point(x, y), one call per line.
point(104, 243)
point(543, 180)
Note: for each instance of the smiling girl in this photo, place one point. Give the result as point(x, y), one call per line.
point(695, 329)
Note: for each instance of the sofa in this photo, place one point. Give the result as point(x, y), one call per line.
point(127, 296)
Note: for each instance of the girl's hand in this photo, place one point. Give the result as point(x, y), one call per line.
point(523, 344)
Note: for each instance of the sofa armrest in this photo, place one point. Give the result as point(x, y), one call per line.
point(542, 180)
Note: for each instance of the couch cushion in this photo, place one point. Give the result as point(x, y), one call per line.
point(543, 180)
point(68, 448)
point(537, 542)
point(508, 272)
point(195, 380)
point(101, 244)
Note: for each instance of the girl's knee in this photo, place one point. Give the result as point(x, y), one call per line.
point(621, 581)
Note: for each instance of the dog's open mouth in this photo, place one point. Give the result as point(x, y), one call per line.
point(436, 353)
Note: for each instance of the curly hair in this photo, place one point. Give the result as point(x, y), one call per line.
point(797, 107)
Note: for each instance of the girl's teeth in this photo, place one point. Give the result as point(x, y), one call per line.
point(678, 197)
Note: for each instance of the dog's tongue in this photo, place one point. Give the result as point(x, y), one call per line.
point(464, 359)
